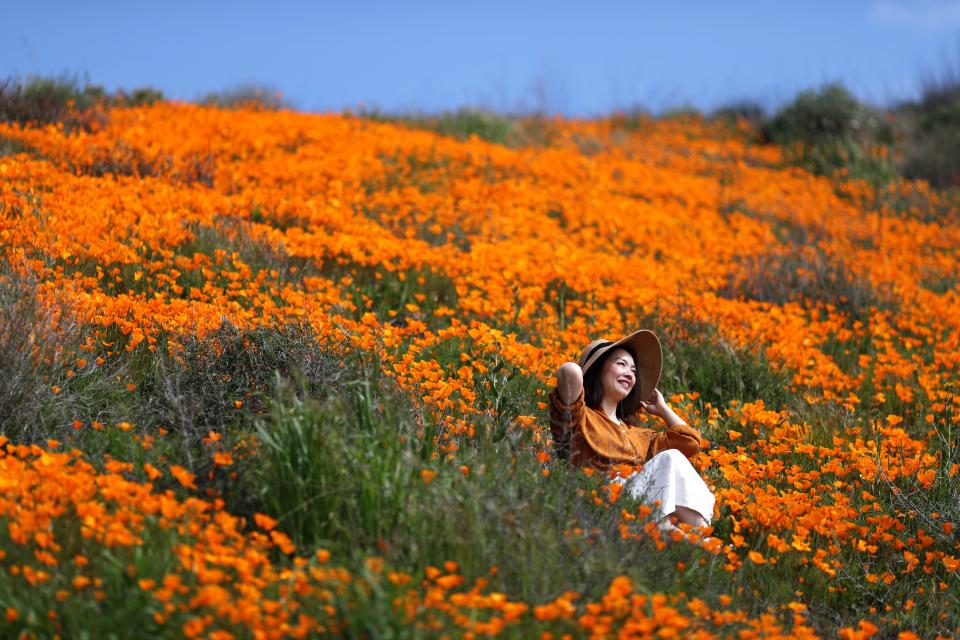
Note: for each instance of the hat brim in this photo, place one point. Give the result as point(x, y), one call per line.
point(648, 358)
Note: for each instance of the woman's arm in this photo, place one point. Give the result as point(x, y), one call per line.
point(679, 434)
point(569, 382)
point(566, 407)
point(659, 407)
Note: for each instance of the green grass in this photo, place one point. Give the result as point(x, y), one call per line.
point(720, 372)
point(340, 466)
point(345, 474)
point(466, 123)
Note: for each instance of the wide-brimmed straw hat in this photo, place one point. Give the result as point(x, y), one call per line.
point(648, 357)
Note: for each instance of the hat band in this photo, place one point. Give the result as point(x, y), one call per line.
point(594, 350)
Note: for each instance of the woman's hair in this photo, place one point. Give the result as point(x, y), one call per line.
point(593, 387)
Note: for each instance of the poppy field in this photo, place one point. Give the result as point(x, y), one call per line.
point(270, 374)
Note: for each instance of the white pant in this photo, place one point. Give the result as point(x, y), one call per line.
point(669, 478)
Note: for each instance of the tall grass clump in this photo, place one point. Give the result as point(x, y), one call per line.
point(221, 382)
point(174, 397)
point(42, 385)
point(192, 387)
point(29, 348)
point(337, 472)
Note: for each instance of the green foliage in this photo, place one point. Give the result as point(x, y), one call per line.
point(48, 100)
point(744, 110)
point(683, 112)
point(195, 389)
point(931, 131)
point(232, 236)
point(486, 125)
point(387, 293)
point(142, 96)
point(701, 361)
point(461, 124)
point(345, 474)
point(64, 99)
point(633, 119)
point(828, 130)
point(246, 96)
point(805, 274)
point(827, 116)
point(338, 473)
point(32, 360)
point(218, 382)
point(504, 394)
point(120, 604)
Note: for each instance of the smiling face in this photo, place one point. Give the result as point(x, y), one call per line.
point(618, 375)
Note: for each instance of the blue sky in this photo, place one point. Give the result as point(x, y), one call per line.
point(577, 58)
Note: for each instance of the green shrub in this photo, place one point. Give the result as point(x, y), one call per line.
point(219, 382)
point(142, 96)
point(827, 116)
point(48, 100)
point(65, 99)
point(829, 130)
point(490, 126)
point(246, 96)
point(635, 118)
point(931, 132)
point(232, 235)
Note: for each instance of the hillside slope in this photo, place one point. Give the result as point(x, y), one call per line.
point(415, 295)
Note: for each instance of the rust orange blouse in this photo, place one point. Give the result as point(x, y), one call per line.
point(586, 437)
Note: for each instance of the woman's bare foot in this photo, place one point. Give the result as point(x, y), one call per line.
point(690, 534)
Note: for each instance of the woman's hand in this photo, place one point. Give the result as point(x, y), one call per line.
point(657, 406)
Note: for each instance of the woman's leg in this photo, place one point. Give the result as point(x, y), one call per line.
point(689, 516)
point(670, 483)
point(682, 515)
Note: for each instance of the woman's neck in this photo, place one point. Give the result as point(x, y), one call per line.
point(609, 407)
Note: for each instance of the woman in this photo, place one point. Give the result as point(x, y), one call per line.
point(590, 416)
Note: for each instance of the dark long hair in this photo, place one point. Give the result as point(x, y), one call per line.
point(593, 387)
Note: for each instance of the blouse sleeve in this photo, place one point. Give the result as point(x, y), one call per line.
point(682, 437)
point(564, 419)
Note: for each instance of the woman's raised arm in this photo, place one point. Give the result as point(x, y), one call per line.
point(569, 381)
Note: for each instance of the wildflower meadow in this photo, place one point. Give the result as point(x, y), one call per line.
point(266, 374)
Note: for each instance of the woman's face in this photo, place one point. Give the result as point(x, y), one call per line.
point(618, 375)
